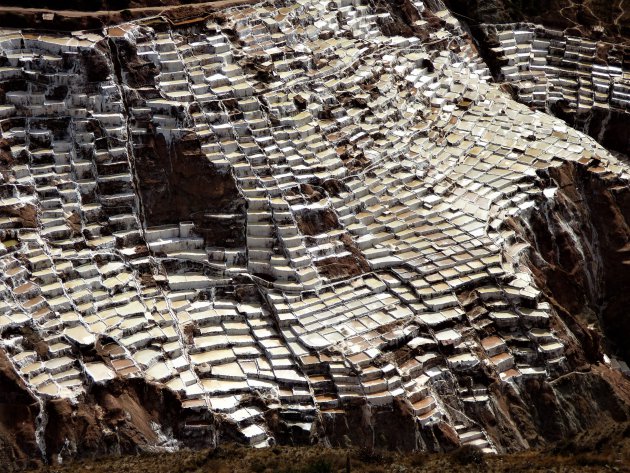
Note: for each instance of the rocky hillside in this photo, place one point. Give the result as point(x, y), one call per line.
point(593, 19)
point(299, 223)
point(568, 58)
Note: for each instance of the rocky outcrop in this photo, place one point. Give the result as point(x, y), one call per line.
point(18, 420)
point(119, 417)
point(578, 254)
point(114, 418)
point(609, 127)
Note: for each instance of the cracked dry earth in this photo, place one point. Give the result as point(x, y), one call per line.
point(298, 223)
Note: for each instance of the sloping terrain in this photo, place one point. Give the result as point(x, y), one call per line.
point(593, 19)
point(599, 450)
point(298, 223)
point(569, 58)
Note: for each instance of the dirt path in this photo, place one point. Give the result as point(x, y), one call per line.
point(154, 10)
point(73, 20)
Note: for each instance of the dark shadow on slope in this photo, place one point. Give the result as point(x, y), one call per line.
point(580, 254)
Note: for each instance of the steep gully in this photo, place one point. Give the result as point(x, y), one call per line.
point(580, 252)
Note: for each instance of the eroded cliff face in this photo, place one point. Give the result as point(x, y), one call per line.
point(575, 243)
point(115, 418)
point(578, 254)
point(300, 224)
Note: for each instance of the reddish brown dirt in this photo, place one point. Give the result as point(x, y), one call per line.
point(18, 412)
point(609, 127)
point(139, 73)
point(177, 183)
point(26, 215)
point(386, 428)
point(587, 285)
point(115, 418)
point(316, 221)
point(347, 266)
point(339, 268)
